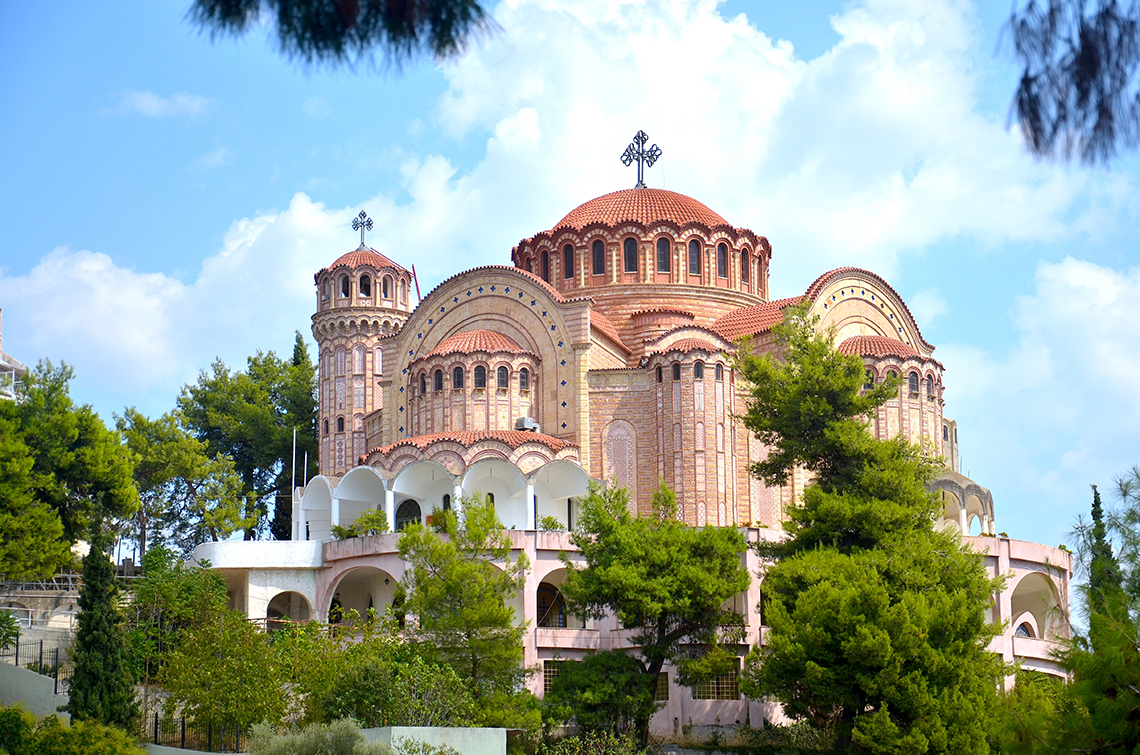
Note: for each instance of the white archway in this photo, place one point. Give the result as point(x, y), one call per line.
point(316, 509)
point(557, 485)
point(289, 606)
point(360, 589)
point(502, 480)
point(428, 483)
point(1037, 594)
point(361, 489)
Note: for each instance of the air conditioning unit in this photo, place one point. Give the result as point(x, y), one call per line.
point(527, 424)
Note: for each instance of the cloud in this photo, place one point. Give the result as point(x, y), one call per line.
point(1060, 410)
point(927, 305)
point(147, 103)
point(316, 107)
point(215, 158)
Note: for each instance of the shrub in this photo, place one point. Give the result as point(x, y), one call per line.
point(341, 737)
point(550, 524)
point(371, 522)
point(9, 629)
point(591, 743)
point(20, 736)
point(405, 746)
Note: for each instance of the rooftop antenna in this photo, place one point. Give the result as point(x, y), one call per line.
point(636, 151)
point(416, 280)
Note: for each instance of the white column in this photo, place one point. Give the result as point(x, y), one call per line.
point(301, 522)
point(334, 514)
point(530, 506)
point(390, 507)
point(962, 520)
point(457, 501)
point(296, 518)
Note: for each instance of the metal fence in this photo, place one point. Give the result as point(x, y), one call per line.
point(195, 735)
point(50, 660)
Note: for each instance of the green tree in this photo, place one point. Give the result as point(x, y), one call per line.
point(101, 688)
point(606, 691)
point(78, 461)
point(667, 581)
point(187, 497)
point(371, 522)
point(458, 583)
point(321, 31)
point(19, 735)
point(225, 671)
point(33, 544)
point(299, 410)
point(877, 625)
point(9, 629)
point(1030, 718)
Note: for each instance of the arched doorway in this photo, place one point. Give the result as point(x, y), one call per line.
point(551, 605)
point(288, 606)
point(408, 513)
point(1037, 595)
point(359, 590)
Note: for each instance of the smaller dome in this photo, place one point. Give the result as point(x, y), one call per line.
point(363, 256)
point(686, 345)
point(644, 206)
point(471, 341)
point(877, 346)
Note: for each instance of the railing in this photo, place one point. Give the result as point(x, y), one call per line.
point(50, 661)
point(194, 735)
point(65, 582)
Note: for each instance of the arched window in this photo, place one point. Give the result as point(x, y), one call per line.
point(343, 286)
point(423, 384)
point(437, 381)
point(929, 387)
point(386, 287)
point(340, 424)
point(551, 607)
point(694, 257)
point(676, 371)
point(699, 371)
point(869, 379)
point(745, 265)
point(945, 432)
point(912, 382)
point(659, 373)
point(504, 377)
point(327, 427)
point(546, 266)
point(568, 261)
point(599, 258)
point(457, 377)
point(403, 292)
point(447, 501)
point(892, 375)
point(722, 260)
point(720, 373)
point(524, 379)
point(365, 285)
point(1023, 629)
point(480, 376)
point(663, 256)
point(408, 513)
point(325, 291)
point(490, 498)
point(630, 256)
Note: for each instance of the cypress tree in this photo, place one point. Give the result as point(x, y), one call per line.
point(1105, 577)
point(101, 688)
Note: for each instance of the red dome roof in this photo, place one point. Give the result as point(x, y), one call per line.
point(644, 206)
point(471, 341)
point(361, 257)
point(877, 346)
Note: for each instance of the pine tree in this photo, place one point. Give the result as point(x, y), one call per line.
point(101, 688)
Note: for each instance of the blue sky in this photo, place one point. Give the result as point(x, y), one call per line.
point(166, 198)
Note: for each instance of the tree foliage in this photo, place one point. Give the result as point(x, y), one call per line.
point(341, 737)
point(371, 522)
point(326, 31)
point(101, 688)
point(667, 581)
point(249, 417)
point(19, 735)
point(1078, 93)
point(606, 691)
point(458, 582)
point(877, 625)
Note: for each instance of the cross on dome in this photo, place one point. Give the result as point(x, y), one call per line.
point(637, 151)
point(362, 223)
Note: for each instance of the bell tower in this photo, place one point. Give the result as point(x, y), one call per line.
point(361, 297)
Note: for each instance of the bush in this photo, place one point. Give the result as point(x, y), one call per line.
point(606, 691)
point(405, 746)
point(371, 522)
point(9, 629)
point(19, 735)
point(591, 743)
point(341, 737)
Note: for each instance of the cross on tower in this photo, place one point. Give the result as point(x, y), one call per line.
point(637, 151)
point(362, 223)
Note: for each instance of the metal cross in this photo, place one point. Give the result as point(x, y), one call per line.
point(637, 151)
point(362, 223)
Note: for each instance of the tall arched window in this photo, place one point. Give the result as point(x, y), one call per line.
point(366, 285)
point(437, 381)
point(676, 371)
point(663, 256)
point(720, 373)
point(546, 266)
point(524, 379)
point(630, 254)
point(386, 287)
point(551, 607)
point(599, 258)
point(480, 376)
point(745, 265)
point(694, 257)
point(423, 383)
point(929, 386)
point(340, 424)
point(504, 377)
point(327, 427)
point(659, 373)
point(343, 286)
point(408, 513)
point(722, 260)
point(568, 261)
point(325, 291)
point(403, 292)
point(699, 371)
point(869, 379)
point(447, 501)
point(912, 382)
point(457, 377)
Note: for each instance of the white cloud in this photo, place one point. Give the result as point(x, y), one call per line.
point(212, 160)
point(316, 107)
point(1060, 411)
point(181, 104)
point(927, 305)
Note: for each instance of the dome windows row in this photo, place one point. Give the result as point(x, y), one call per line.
point(433, 381)
point(914, 382)
point(698, 372)
point(390, 288)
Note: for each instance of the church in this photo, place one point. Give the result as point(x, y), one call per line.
point(602, 352)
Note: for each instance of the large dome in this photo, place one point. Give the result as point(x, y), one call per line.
point(644, 206)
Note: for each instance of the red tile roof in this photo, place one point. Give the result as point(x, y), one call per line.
point(759, 318)
point(606, 328)
point(471, 341)
point(686, 345)
point(468, 438)
point(644, 206)
point(361, 257)
point(877, 346)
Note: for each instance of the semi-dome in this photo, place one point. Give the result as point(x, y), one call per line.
point(644, 206)
point(877, 346)
point(472, 341)
point(361, 257)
